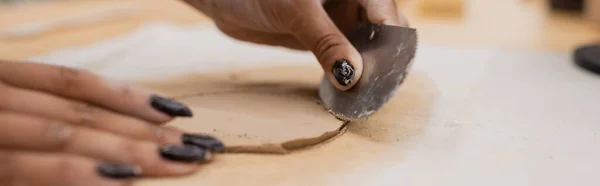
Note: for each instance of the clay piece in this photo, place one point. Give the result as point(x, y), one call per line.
point(273, 111)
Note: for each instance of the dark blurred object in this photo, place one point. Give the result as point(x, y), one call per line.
point(567, 5)
point(588, 57)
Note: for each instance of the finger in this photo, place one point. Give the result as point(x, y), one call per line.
point(31, 168)
point(27, 133)
point(240, 20)
point(339, 59)
point(81, 114)
point(88, 87)
point(265, 38)
point(383, 12)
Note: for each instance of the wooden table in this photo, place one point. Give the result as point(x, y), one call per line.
point(514, 24)
point(496, 128)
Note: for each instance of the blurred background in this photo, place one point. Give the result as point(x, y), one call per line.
point(36, 27)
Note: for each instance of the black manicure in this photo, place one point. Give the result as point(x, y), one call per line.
point(203, 141)
point(170, 107)
point(185, 153)
point(118, 171)
point(343, 72)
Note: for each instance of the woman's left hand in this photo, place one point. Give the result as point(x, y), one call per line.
point(65, 126)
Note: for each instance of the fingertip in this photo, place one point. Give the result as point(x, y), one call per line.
point(401, 21)
point(138, 101)
point(389, 22)
point(170, 107)
point(384, 12)
point(118, 171)
point(344, 72)
point(164, 109)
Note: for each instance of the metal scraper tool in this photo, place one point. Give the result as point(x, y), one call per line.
point(387, 53)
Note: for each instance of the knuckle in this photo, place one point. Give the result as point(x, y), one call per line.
point(158, 134)
point(163, 135)
point(132, 150)
point(126, 92)
point(141, 153)
point(84, 114)
point(277, 16)
point(327, 42)
point(59, 136)
point(68, 78)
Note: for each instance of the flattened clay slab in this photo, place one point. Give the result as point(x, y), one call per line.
point(363, 154)
point(272, 110)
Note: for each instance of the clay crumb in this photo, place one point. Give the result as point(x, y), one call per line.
point(339, 116)
point(289, 146)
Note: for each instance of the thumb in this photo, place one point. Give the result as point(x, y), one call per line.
point(339, 59)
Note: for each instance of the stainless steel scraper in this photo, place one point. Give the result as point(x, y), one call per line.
point(387, 53)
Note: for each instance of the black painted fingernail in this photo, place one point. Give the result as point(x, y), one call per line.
point(170, 107)
point(185, 153)
point(203, 141)
point(118, 171)
point(343, 72)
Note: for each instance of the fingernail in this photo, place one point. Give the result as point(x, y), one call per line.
point(343, 72)
point(185, 153)
point(118, 171)
point(170, 107)
point(203, 141)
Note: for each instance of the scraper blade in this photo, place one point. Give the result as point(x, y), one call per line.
point(387, 53)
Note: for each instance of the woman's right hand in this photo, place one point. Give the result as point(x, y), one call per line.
point(69, 127)
point(315, 25)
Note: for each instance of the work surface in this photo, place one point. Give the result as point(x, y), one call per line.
point(472, 116)
point(483, 116)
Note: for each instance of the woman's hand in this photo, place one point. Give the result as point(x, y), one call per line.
point(316, 25)
point(63, 126)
